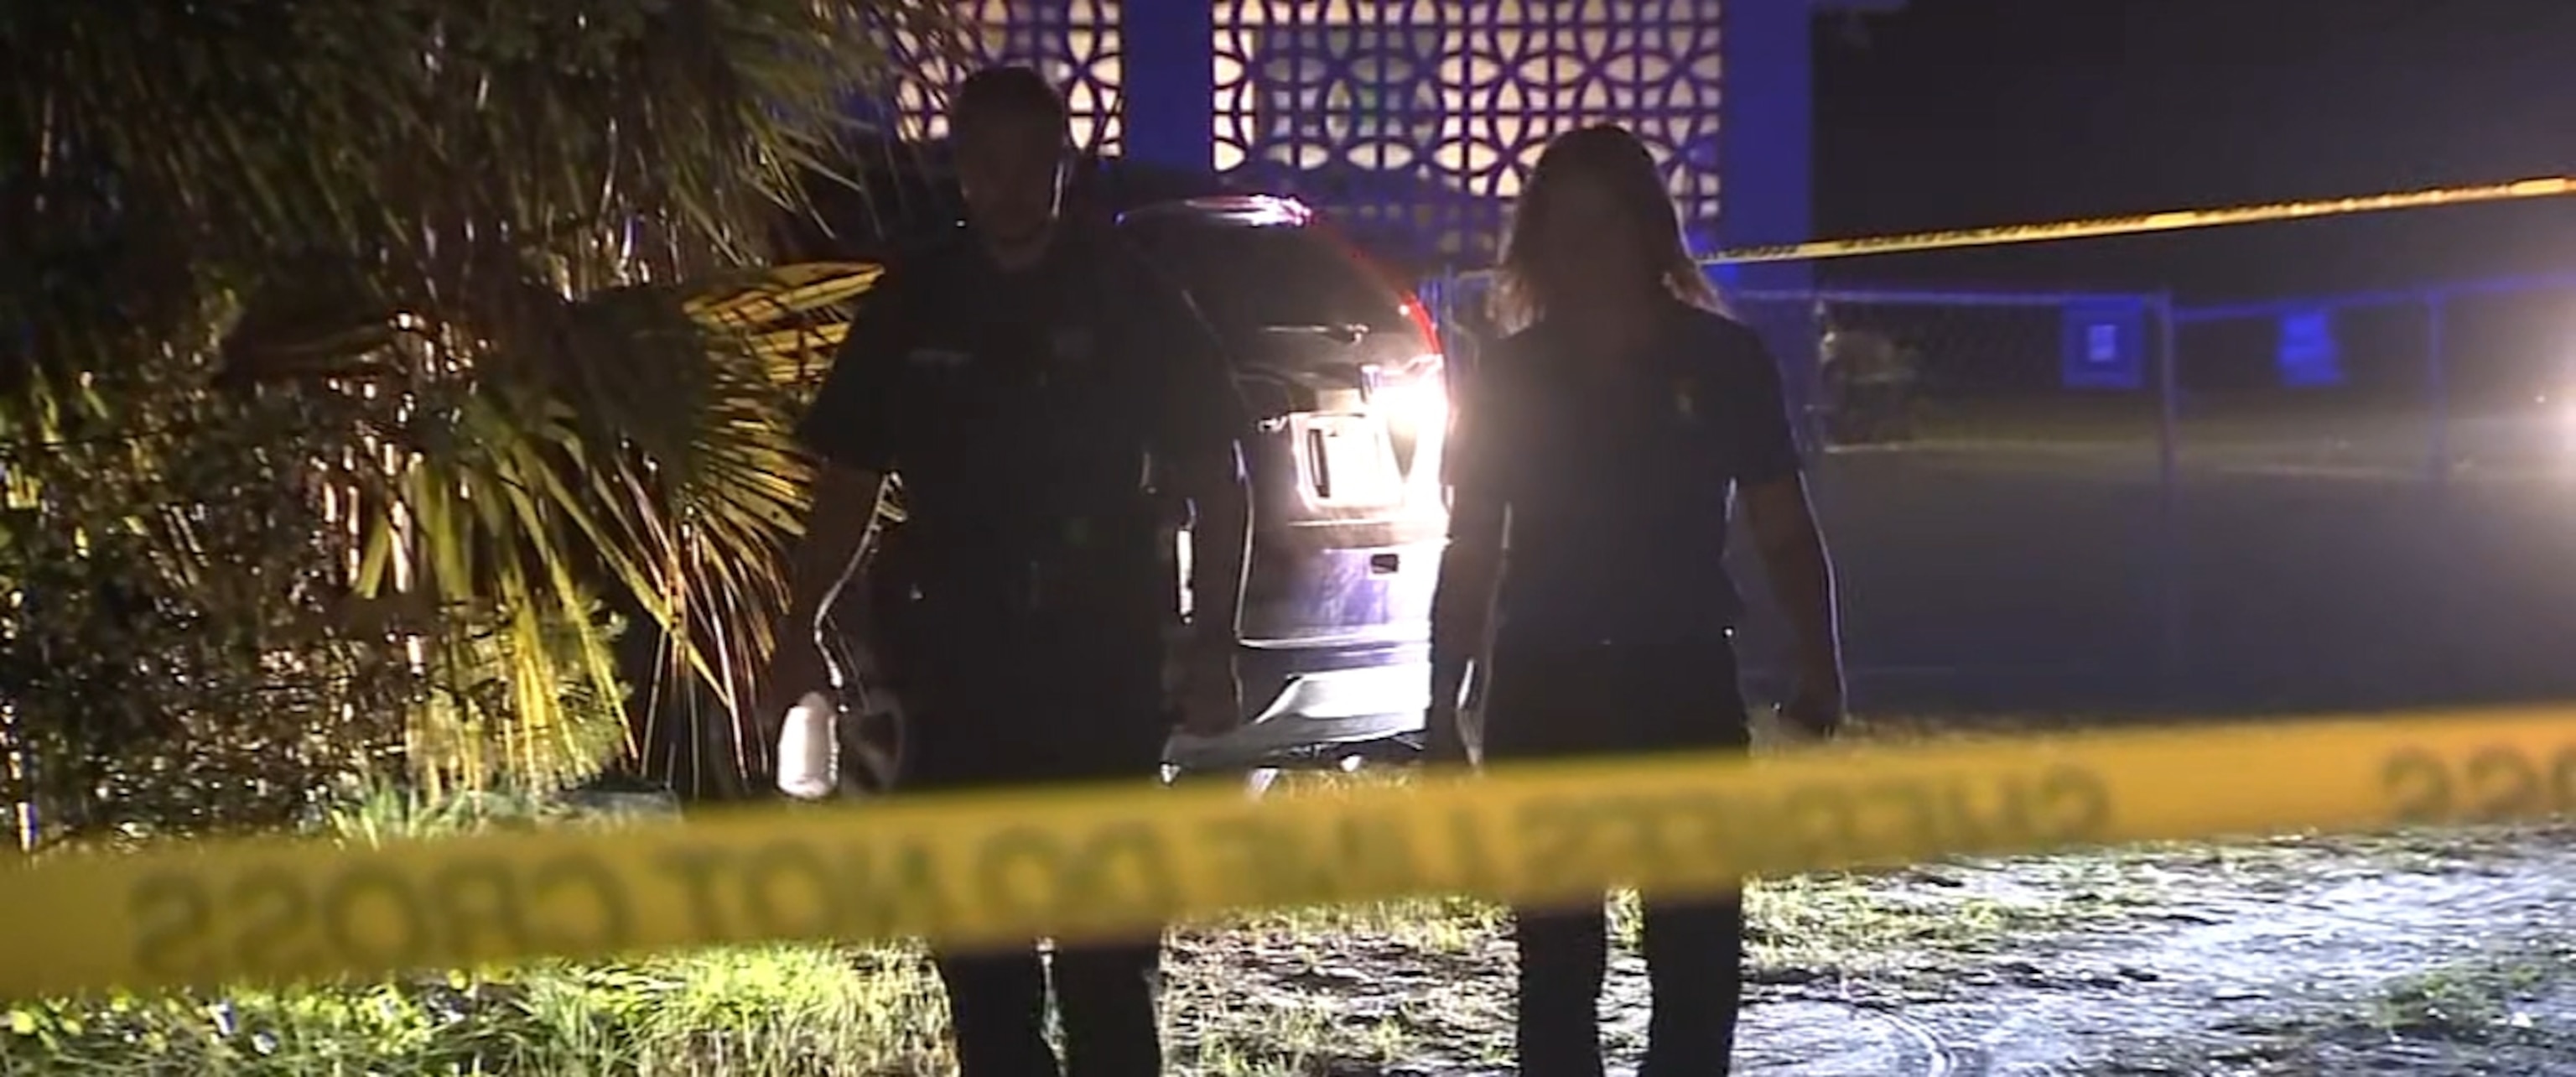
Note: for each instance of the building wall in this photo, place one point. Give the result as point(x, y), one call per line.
point(1416, 121)
point(1423, 119)
point(1077, 43)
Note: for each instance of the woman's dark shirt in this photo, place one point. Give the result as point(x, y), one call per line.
point(1619, 480)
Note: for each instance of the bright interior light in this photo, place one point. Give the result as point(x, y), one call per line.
point(1418, 399)
point(1414, 405)
point(1417, 406)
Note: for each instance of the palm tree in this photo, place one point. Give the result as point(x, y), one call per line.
point(475, 271)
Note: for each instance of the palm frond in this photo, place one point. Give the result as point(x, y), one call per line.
point(477, 225)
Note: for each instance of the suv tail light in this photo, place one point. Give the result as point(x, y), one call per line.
point(1413, 399)
point(1413, 394)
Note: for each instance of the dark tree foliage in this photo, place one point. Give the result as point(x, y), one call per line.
point(348, 376)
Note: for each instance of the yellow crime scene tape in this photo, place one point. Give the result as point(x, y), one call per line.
point(2136, 223)
point(812, 287)
point(1104, 862)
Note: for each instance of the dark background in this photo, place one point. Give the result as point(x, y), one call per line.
point(1968, 112)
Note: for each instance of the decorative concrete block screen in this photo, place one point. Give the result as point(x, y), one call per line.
point(1413, 121)
point(1421, 118)
point(1075, 42)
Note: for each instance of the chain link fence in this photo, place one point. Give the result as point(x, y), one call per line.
point(2380, 496)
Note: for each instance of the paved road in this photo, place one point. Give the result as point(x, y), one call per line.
point(2316, 568)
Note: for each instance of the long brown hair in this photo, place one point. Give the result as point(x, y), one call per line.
point(1615, 159)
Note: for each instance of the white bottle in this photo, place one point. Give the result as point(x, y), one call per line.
point(809, 748)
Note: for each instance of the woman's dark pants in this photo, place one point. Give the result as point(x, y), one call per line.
point(1623, 700)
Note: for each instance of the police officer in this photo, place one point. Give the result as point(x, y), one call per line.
point(1610, 436)
point(1042, 396)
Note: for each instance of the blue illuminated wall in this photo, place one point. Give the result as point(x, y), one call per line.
point(1423, 119)
point(1417, 120)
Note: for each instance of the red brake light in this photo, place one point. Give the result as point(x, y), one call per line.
point(1422, 323)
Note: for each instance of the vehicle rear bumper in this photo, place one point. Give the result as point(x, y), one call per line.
point(1321, 701)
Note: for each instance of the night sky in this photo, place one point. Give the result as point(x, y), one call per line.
point(1967, 112)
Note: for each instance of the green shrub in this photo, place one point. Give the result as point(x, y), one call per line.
point(180, 651)
point(171, 659)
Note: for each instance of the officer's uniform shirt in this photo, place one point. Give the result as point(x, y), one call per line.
point(1022, 411)
point(1620, 483)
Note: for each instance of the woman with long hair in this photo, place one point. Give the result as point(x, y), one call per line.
point(1598, 453)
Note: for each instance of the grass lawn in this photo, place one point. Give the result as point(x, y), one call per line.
point(1329, 990)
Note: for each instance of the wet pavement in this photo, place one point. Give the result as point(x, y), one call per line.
point(2415, 955)
point(2064, 580)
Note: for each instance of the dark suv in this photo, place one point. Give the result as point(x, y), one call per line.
point(1342, 367)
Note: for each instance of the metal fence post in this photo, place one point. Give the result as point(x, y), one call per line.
point(2172, 609)
point(1814, 319)
point(2437, 388)
point(2437, 392)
